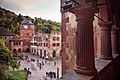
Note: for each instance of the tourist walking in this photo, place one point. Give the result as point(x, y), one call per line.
point(40, 66)
point(55, 63)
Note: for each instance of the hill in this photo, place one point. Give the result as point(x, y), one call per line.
point(46, 26)
point(11, 21)
point(8, 20)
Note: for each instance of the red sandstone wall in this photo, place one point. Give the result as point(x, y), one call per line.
point(68, 42)
point(26, 33)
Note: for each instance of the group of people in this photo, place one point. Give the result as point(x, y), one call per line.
point(28, 72)
point(51, 74)
point(40, 65)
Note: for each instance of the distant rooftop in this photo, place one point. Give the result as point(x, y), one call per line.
point(26, 22)
point(5, 32)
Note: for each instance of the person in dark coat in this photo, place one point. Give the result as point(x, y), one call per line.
point(40, 66)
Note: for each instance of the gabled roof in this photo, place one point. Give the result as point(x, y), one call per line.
point(5, 32)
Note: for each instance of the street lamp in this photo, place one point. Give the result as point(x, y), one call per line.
point(67, 4)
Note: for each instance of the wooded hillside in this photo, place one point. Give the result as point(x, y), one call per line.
point(11, 21)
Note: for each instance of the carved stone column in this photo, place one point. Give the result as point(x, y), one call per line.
point(85, 63)
point(105, 22)
point(115, 40)
point(106, 49)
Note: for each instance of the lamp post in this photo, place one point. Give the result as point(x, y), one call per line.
point(68, 4)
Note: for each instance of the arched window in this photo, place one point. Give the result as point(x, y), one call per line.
point(19, 50)
point(54, 53)
point(27, 49)
point(40, 53)
point(44, 53)
point(14, 51)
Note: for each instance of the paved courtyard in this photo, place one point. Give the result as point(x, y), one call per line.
point(36, 72)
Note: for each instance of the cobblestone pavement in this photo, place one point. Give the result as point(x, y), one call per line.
point(36, 73)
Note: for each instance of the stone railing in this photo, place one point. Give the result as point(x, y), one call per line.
point(106, 70)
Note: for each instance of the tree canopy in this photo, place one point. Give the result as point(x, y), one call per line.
point(6, 60)
point(8, 20)
point(2, 43)
point(47, 26)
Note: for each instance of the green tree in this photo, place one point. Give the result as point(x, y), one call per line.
point(19, 18)
point(6, 60)
point(4, 63)
point(2, 43)
point(46, 30)
point(5, 56)
point(14, 64)
point(57, 29)
point(49, 27)
point(36, 21)
point(36, 24)
point(9, 20)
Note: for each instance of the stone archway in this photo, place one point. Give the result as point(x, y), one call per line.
point(54, 53)
point(45, 53)
point(27, 49)
point(40, 53)
point(14, 52)
point(37, 52)
point(19, 50)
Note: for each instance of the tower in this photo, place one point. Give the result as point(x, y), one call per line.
point(27, 29)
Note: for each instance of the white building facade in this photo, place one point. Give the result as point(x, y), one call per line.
point(46, 45)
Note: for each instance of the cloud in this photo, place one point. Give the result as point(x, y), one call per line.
point(8, 5)
point(22, 4)
point(39, 8)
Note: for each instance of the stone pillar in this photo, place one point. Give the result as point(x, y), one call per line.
point(105, 23)
point(115, 40)
point(63, 44)
point(85, 63)
point(106, 49)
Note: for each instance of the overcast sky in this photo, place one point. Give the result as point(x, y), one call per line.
point(46, 9)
